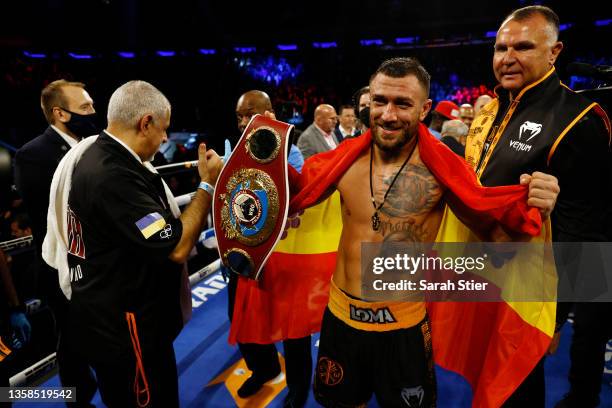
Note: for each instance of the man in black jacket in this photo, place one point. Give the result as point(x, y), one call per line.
point(70, 113)
point(127, 245)
point(535, 123)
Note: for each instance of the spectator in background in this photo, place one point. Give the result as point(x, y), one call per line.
point(481, 101)
point(445, 110)
point(466, 114)
point(361, 100)
point(11, 205)
point(21, 226)
point(454, 132)
point(258, 102)
point(346, 126)
point(24, 269)
point(319, 136)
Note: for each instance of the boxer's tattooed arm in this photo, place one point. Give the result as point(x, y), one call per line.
point(414, 193)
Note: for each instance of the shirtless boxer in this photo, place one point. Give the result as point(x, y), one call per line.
point(391, 359)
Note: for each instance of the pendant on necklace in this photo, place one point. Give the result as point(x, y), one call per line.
point(375, 221)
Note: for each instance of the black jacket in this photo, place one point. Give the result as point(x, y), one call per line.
point(35, 164)
point(121, 232)
point(454, 145)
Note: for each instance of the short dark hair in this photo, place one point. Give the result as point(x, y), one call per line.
point(357, 97)
point(343, 107)
point(402, 67)
point(524, 13)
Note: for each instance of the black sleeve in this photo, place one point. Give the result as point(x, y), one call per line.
point(138, 216)
point(33, 177)
point(582, 163)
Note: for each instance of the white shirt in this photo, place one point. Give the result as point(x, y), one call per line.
point(70, 140)
point(346, 133)
point(116, 139)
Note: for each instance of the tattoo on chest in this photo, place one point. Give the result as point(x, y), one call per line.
point(402, 231)
point(414, 193)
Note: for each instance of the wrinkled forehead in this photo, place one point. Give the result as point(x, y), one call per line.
point(407, 87)
point(534, 28)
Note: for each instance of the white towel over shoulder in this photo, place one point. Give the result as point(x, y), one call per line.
point(55, 245)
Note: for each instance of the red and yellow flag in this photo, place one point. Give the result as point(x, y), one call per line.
point(493, 345)
point(289, 300)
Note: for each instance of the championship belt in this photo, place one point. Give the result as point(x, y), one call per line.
point(251, 197)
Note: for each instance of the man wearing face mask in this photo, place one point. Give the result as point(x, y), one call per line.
point(70, 113)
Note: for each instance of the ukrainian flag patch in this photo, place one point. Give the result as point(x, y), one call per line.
point(150, 224)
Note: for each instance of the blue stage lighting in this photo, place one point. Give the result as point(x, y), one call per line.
point(375, 41)
point(405, 40)
point(80, 56)
point(34, 54)
point(329, 44)
point(287, 47)
point(245, 50)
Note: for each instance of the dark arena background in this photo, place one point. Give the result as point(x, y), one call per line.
point(203, 55)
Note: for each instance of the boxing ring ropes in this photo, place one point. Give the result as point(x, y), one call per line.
point(28, 375)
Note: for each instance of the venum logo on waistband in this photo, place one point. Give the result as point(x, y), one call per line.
point(529, 130)
point(367, 315)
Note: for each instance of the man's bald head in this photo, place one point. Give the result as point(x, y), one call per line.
point(325, 117)
point(481, 101)
point(456, 129)
point(323, 109)
point(251, 103)
point(466, 113)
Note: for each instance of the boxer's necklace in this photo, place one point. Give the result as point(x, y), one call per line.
point(375, 217)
